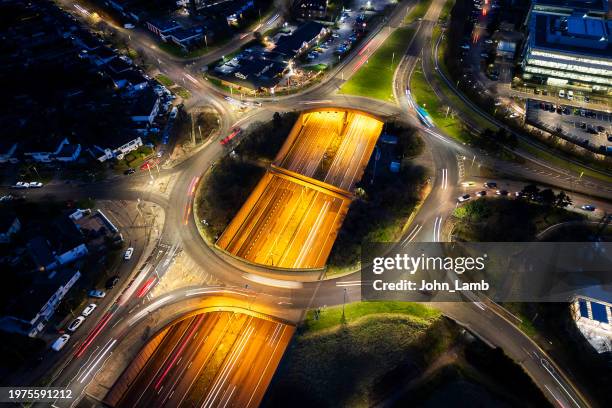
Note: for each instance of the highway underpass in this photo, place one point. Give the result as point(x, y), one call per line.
point(292, 217)
point(218, 358)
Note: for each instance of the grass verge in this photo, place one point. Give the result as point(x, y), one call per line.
point(332, 316)
point(418, 11)
point(375, 77)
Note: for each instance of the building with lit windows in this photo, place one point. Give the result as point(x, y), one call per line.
point(568, 43)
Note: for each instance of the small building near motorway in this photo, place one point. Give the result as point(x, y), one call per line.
point(569, 43)
point(593, 318)
point(310, 9)
point(300, 39)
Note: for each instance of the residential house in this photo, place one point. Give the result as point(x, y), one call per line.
point(144, 107)
point(43, 298)
point(8, 152)
point(9, 226)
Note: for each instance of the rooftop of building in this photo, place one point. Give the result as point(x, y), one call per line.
point(290, 44)
point(591, 5)
point(574, 34)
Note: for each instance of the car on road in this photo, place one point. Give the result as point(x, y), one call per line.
point(463, 198)
point(235, 132)
point(502, 192)
point(60, 342)
point(76, 323)
point(98, 294)
point(128, 253)
point(89, 309)
point(21, 185)
point(468, 184)
point(7, 197)
point(112, 282)
point(129, 171)
point(490, 184)
point(481, 193)
point(35, 184)
point(129, 26)
point(588, 207)
point(520, 194)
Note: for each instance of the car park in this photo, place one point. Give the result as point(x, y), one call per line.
point(60, 342)
point(463, 198)
point(89, 309)
point(128, 253)
point(98, 294)
point(76, 323)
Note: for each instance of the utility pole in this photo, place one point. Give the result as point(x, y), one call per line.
point(343, 303)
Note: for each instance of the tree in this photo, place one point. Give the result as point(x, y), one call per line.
point(548, 197)
point(531, 191)
point(563, 200)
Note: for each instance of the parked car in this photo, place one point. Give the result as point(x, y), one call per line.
point(21, 184)
point(588, 207)
point(98, 294)
point(89, 309)
point(112, 282)
point(35, 184)
point(502, 192)
point(570, 95)
point(76, 323)
point(490, 184)
point(481, 193)
point(128, 253)
point(463, 198)
point(60, 342)
point(129, 171)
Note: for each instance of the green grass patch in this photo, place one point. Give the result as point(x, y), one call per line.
point(446, 9)
point(316, 67)
point(418, 11)
point(182, 92)
point(443, 117)
point(164, 80)
point(563, 163)
point(375, 77)
point(332, 316)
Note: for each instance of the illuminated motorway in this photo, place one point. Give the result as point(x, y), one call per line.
point(216, 359)
point(286, 223)
point(330, 145)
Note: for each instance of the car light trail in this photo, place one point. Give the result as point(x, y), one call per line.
point(146, 287)
point(180, 350)
point(273, 282)
point(129, 291)
point(417, 228)
point(103, 353)
point(96, 331)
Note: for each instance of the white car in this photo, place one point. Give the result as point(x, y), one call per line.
point(463, 198)
point(76, 323)
point(173, 113)
point(98, 294)
point(128, 253)
point(89, 309)
point(21, 184)
point(60, 342)
point(35, 184)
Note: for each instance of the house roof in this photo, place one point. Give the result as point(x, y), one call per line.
point(68, 150)
point(40, 251)
point(290, 44)
point(186, 34)
point(144, 103)
point(7, 219)
point(164, 25)
point(118, 65)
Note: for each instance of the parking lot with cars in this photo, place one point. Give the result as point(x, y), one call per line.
point(586, 127)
